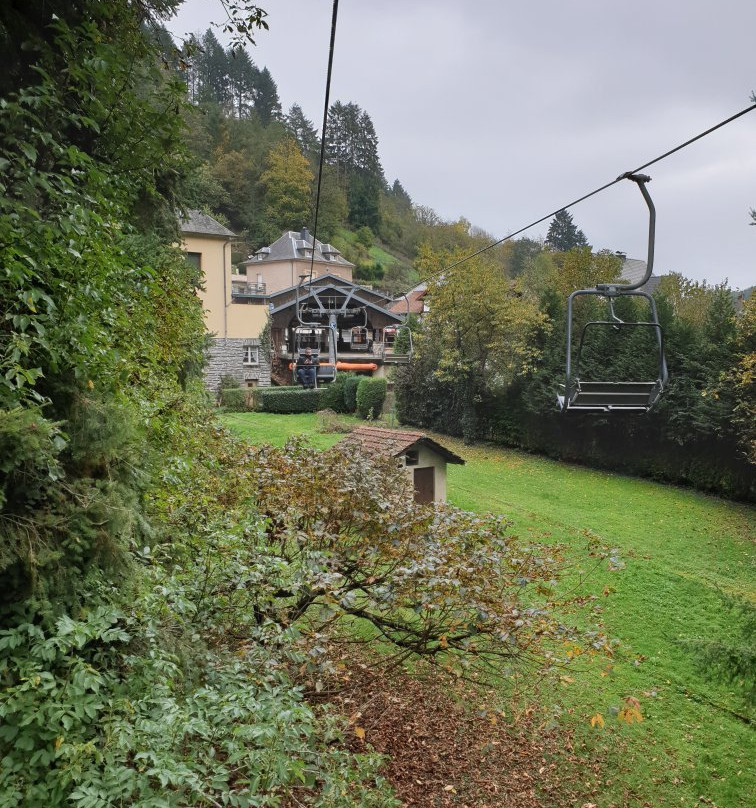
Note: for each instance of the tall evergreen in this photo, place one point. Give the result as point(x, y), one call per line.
point(243, 77)
point(564, 234)
point(303, 131)
point(401, 198)
point(267, 103)
point(352, 148)
point(212, 65)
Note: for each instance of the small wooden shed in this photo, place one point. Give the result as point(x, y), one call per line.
point(423, 458)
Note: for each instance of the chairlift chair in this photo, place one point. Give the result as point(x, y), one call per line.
point(326, 315)
point(359, 339)
point(632, 395)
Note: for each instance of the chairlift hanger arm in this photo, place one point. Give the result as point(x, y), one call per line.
point(612, 288)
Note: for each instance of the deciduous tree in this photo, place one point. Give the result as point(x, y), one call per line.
point(287, 187)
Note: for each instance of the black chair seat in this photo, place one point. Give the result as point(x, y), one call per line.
point(607, 396)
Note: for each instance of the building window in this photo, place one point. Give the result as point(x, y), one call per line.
point(195, 259)
point(411, 457)
point(251, 355)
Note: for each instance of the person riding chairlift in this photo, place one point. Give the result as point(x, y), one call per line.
point(307, 369)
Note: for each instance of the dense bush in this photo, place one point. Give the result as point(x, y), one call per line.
point(334, 394)
point(291, 399)
point(371, 393)
point(237, 399)
point(456, 586)
point(351, 384)
point(131, 670)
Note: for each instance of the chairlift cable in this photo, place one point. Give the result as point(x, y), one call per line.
point(323, 134)
point(623, 176)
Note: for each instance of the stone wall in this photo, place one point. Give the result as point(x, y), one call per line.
point(225, 357)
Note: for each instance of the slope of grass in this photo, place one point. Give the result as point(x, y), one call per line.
point(681, 550)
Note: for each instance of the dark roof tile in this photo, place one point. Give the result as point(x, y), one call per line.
point(201, 224)
point(394, 442)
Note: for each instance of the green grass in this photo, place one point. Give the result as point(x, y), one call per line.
point(680, 549)
point(262, 427)
point(377, 253)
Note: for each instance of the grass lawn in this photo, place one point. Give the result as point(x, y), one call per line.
point(681, 549)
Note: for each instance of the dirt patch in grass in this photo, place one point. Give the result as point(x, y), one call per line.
point(443, 751)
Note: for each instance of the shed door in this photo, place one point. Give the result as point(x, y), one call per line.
point(424, 484)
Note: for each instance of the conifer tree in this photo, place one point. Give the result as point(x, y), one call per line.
point(212, 68)
point(564, 234)
point(303, 131)
point(243, 77)
point(267, 103)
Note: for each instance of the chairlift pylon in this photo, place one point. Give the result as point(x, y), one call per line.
point(635, 395)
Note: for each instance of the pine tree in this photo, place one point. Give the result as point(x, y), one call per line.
point(243, 77)
point(303, 131)
point(563, 234)
point(400, 196)
point(212, 68)
point(352, 147)
point(267, 104)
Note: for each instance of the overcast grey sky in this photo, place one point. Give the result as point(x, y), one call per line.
point(504, 111)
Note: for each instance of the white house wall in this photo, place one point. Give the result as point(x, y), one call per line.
point(427, 458)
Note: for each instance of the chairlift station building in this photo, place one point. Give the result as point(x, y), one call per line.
point(238, 305)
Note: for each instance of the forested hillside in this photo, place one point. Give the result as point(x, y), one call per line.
point(257, 165)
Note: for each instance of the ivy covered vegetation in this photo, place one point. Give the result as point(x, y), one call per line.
point(125, 677)
point(167, 593)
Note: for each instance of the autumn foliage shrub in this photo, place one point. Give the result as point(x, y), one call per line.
point(345, 539)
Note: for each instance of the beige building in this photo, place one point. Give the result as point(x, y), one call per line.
point(423, 459)
point(235, 326)
point(281, 265)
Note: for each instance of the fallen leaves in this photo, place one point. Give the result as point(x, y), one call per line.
point(443, 753)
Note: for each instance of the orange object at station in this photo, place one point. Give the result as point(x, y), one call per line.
point(344, 365)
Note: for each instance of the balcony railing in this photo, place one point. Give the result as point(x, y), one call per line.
point(248, 290)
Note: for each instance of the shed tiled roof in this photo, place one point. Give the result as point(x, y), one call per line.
point(394, 442)
point(200, 224)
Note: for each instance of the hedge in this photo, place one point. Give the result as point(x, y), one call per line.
point(237, 399)
point(350, 392)
point(290, 399)
point(333, 394)
point(371, 393)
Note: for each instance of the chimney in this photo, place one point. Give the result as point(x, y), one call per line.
point(304, 235)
